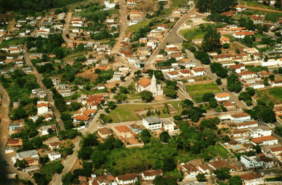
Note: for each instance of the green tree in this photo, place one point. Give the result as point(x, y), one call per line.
point(85, 153)
point(218, 81)
point(145, 136)
point(235, 180)
point(47, 82)
point(164, 136)
point(213, 103)
point(20, 163)
point(146, 96)
point(169, 164)
point(211, 40)
point(233, 83)
point(203, 57)
point(111, 105)
point(225, 46)
point(169, 91)
point(223, 173)
point(80, 47)
point(98, 158)
point(159, 180)
point(201, 177)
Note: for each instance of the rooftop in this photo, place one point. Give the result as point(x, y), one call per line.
point(264, 138)
point(152, 119)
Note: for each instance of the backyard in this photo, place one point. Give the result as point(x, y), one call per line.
point(274, 95)
point(218, 150)
point(129, 112)
point(197, 91)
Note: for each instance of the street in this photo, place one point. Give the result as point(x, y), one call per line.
point(39, 78)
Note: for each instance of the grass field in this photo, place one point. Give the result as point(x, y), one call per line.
point(274, 95)
point(128, 112)
point(15, 41)
point(256, 4)
point(198, 90)
point(195, 33)
point(218, 150)
point(136, 27)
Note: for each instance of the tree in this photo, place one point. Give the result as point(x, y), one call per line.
point(208, 96)
point(218, 81)
point(47, 82)
point(169, 164)
point(97, 71)
point(169, 91)
point(267, 115)
point(223, 173)
point(80, 47)
point(251, 91)
point(20, 163)
point(233, 83)
point(159, 180)
point(146, 96)
point(271, 77)
point(111, 105)
point(225, 46)
point(213, 103)
point(235, 180)
point(19, 113)
point(203, 57)
point(85, 153)
point(187, 103)
point(145, 136)
point(40, 179)
point(245, 96)
point(211, 40)
point(164, 136)
point(201, 177)
point(98, 158)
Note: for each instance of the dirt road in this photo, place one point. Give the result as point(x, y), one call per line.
point(123, 23)
point(262, 9)
point(39, 78)
point(5, 120)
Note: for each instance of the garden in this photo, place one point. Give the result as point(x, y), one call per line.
point(197, 91)
point(273, 94)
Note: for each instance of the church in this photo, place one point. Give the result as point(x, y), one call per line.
point(146, 84)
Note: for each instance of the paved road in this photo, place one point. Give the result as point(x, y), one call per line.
point(67, 26)
point(123, 23)
point(39, 78)
point(172, 37)
point(5, 120)
point(213, 76)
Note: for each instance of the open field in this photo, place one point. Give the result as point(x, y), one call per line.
point(218, 150)
point(274, 95)
point(195, 33)
point(15, 41)
point(129, 112)
point(136, 27)
point(198, 90)
point(259, 5)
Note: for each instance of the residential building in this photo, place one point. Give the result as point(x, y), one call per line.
point(217, 165)
point(247, 74)
point(241, 35)
point(260, 131)
point(149, 85)
point(265, 140)
point(241, 117)
point(172, 75)
point(238, 68)
point(104, 132)
point(152, 123)
point(54, 156)
point(222, 96)
point(151, 174)
point(247, 124)
point(258, 19)
point(276, 150)
point(251, 162)
point(252, 179)
point(169, 125)
point(14, 142)
point(131, 3)
point(190, 171)
point(127, 179)
point(42, 107)
point(31, 156)
point(54, 146)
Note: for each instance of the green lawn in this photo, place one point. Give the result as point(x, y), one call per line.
point(218, 149)
point(128, 112)
point(273, 94)
point(193, 33)
point(198, 90)
point(136, 27)
point(259, 5)
point(14, 41)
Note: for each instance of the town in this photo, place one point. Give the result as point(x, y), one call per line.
point(161, 92)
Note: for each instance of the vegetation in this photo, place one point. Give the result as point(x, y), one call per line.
point(219, 70)
point(203, 57)
point(197, 91)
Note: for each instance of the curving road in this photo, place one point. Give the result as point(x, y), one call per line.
point(171, 38)
point(5, 120)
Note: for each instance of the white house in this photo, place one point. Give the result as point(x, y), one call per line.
point(252, 179)
point(276, 83)
point(238, 68)
point(256, 85)
point(241, 117)
point(127, 179)
point(54, 146)
point(149, 85)
point(260, 131)
point(108, 4)
point(247, 124)
point(222, 96)
point(185, 73)
point(172, 74)
point(151, 174)
point(54, 156)
point(265, 140)
point(131, 3)
point(152, 123)
point(190, 171)
point(198, 71)
point(44, 129)
point(240, 8)
point(247, 74)
point(42, 107)
point(241, 35)
point(251, 162)
point(168, 125)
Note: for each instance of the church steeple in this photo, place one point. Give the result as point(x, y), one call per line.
point(153, 80)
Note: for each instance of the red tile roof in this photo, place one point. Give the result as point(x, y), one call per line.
point(251, 176)
point(105, 131)
point(123, 128)
point(144, 82)
point(189, 168)
point(127, 177)
point(276, 149)
point(42, 105)
point(247, 123)
point(264, 138)
point(81, 118)
point(240, 115)
point(220, 164)
point(152, 172)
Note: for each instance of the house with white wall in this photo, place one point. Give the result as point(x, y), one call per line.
point(54, 156)
point(251, 162)
point(198, 71)
point(247, 124)
point(252, 179)
point(150, 175)
point(152, 123)
point(42, 107)
point(222, 96)
point(265, 140)
point(190, 171)
point(259, 131)
point(127, 179)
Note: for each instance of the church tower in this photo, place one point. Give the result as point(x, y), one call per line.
point(154, 85)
